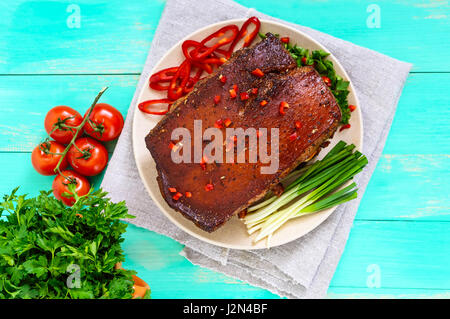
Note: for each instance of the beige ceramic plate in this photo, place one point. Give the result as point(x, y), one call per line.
point(233, 234)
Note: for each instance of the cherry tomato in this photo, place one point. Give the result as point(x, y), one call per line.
point(57, 120)
point(44, 158)
point(105, 123)
point(91, 160)
point(60, 186)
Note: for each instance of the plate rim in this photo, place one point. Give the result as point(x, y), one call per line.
point(154, 69)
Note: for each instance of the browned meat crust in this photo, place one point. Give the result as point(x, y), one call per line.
point(236, 186)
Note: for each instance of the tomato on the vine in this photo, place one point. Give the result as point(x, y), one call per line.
point(59, 122)
point(105, 123)
point(61, 186)
point(87, 156)
point(46, 156)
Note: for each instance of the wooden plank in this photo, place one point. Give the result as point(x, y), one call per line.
point(33, 96)
point(410, 254)
point(405, 255)
point(408, 187)
point(114, 36)
point(157, 260)
point(403, 187)
point(423, 113)
point(386, 293)
point(422, 118)
point(397, 35)
point(41, 37)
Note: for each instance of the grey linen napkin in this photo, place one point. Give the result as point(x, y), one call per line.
point(302, 268)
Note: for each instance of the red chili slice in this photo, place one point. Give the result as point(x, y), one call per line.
point(202, 51)
point(243, 32)
point(179, 81)
point(285, 40)
point(145, 106)
point(344, 127)
point(162, 76)
point(191, 82)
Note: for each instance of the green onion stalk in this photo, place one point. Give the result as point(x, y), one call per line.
point(317, 187)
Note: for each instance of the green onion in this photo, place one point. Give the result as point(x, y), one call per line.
point(318, 187)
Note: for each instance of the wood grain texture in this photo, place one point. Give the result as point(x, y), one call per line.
point(423, 112)
point(402, 226)
point(114, 36)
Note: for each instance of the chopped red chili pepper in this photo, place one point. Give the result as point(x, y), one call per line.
point(171, 145)
point(285, 40)
point(209, 187)
point(244, 96)
point(283, 105)
point(188, 194)
point(222, 78)
point(172, 189)
point(298, 124)
point(254, 91)
point(352, 107)
point(232, 93)
point(218, 123)
point(327, 80)
point(263, 103)
point(344, 127)
point(217, 99)
point(227, 122)
point(293, 136)
point(304, 60)
point(177, 196)
point(146, 106)
point(257, 72)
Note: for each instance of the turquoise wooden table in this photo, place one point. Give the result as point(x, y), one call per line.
point(62, 52)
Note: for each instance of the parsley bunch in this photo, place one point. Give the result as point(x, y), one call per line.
point(42, 242)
